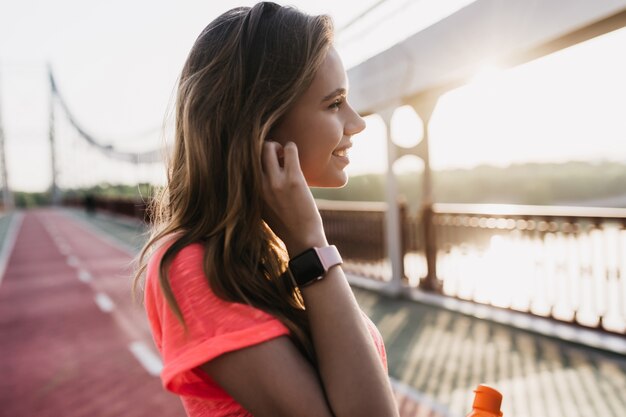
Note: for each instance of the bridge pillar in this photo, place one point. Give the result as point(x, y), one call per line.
point(424, 106)
point(393, 235)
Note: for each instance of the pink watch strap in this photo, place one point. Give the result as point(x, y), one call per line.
point(329, 256)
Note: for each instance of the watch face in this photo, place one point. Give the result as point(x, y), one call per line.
point(306, 266)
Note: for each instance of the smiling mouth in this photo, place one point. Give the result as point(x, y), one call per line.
point(342, 152)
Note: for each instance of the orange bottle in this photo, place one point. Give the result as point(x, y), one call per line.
point(487, 402)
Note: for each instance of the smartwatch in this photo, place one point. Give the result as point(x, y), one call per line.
point(312, 264)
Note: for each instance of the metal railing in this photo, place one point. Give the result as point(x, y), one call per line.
point(564, 263)
point(118, 205)
point(358, 230)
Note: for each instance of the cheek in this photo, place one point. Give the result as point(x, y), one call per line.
point(317, 164)
point(316, 136)
point(312, 158)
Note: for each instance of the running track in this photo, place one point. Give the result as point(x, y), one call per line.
point(68, 325)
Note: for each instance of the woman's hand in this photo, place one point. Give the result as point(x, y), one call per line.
point(289, 207)
point(351, 373)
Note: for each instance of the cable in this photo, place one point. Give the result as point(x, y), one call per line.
point(108, 150)
point(358, 35)
point(361, 15)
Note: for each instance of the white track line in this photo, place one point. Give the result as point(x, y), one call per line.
point(60, 241)
point(104, 302)
point(64, 249)
point(72, 260)
point(84, 275)
point(146, 356)
point(148, 359)
point(9, 242)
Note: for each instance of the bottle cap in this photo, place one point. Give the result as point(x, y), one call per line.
point(488, 399)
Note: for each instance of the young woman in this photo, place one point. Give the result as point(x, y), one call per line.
point(247, 302)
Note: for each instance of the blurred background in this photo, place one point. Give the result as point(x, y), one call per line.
point(482, 227)
point(549, 131)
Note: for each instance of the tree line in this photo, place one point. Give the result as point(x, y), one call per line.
point(531, 183)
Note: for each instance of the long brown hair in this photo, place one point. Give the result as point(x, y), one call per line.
point(243, 73)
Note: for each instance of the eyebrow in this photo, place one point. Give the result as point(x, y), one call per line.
point(337, 92)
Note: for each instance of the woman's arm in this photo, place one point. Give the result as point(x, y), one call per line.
point(271, 379)
point(352, 374)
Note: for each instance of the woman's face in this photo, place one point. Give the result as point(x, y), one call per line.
point(321, 123)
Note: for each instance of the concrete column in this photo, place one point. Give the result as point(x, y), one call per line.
point(392, 216)
point(424, 107)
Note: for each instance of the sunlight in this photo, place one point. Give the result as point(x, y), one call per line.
point(555, 274)
point(546, 110)
point(369, 153)
point(407, 128)
point(486, 74)
point(408, 164)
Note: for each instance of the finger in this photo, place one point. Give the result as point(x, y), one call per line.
point(269, 158)
point(281, 156)
point(292, 163)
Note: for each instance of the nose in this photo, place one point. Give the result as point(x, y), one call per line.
point(354, 124)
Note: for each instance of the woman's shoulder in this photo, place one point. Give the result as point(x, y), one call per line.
point(185, 273)
point(189, 258)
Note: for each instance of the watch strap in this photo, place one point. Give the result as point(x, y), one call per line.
point(329, 256)
point(312, 264)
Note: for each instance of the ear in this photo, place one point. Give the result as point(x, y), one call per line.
point(276, 133)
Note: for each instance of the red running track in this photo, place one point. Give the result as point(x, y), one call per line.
point(62, 355)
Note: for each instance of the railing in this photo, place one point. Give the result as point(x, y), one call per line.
point(358, 230)
point(564, 263)
point(125, 206)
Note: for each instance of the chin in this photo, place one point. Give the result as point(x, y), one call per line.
point(337, 181)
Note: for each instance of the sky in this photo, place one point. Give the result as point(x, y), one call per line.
point(116, 64)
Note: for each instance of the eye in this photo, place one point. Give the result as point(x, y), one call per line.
point(336, 104)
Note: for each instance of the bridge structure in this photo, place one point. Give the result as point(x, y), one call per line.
point(445, 56)
point(567, 281)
